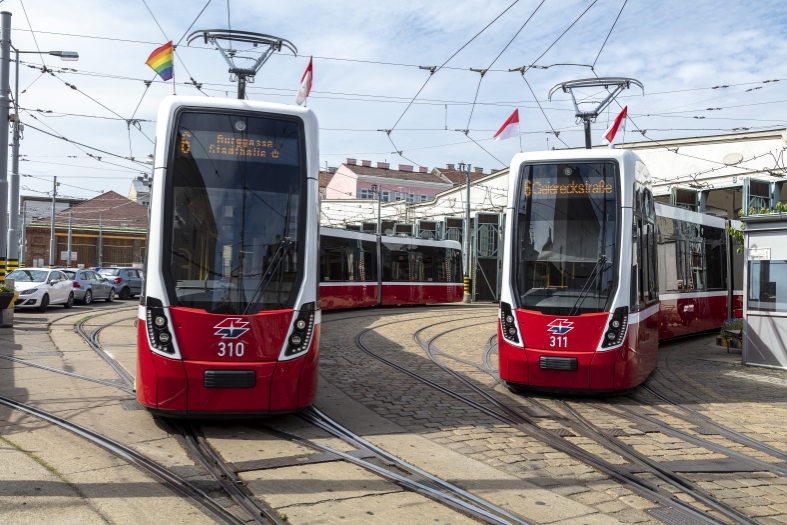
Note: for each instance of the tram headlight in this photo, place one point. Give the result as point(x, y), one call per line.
point(512, 331)
point(611, 336)
point(164, 338)
point(510, 319)
point(296, 340)
point(300, 324)
point(160, 321)
point(615, 324)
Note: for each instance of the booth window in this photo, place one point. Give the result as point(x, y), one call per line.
point(767, 286)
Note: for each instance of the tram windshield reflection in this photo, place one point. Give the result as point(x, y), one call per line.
point(566, 237)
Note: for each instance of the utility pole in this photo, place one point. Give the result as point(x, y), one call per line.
point(466, 234)
point(5, 66)
point(24, 233)
point(100, 240)
point(52, 230)
point(13, 222)
point(68, 258)
point(379, 210)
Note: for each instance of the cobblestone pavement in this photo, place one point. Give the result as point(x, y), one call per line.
point(693, 371)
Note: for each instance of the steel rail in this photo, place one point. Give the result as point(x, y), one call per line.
point(93, 343)
point(584, 427)
point(412, 485)
point(64, 372)
point(695, 440)
point(211, 462)
point(696, 417)
point(319, 418)
point(636, 485)
point(130, 455)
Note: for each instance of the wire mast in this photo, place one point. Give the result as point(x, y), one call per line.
point(618, 83)
point(243, 75)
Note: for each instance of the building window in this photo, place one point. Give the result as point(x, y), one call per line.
point(424, 198)
point(386, 196)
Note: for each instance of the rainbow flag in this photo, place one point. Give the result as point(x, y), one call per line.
point(161, 61)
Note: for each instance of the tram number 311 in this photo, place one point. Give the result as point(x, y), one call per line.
point(558, 341)
point(232, 349)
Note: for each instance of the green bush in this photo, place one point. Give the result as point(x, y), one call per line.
point(6, 288)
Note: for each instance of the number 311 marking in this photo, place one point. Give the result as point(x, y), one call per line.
point(560, 342)
point(232, 349)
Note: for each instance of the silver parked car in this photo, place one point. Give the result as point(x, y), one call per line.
point(127, 280)
point(41, 287)
point(88, 285)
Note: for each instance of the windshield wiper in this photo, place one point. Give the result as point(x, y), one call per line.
point(602, 259)
point(267, 275)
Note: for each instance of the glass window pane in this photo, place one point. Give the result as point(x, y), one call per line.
point(767, 286)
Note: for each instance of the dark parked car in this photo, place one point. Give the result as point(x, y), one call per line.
point(88, 285)
point(127, 280)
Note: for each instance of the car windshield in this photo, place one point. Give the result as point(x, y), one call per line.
point(28, 276)
point(236, 198)
point(109, 271)
point(71, 275)
point(566, 237)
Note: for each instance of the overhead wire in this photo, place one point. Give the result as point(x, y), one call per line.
point(610, 32)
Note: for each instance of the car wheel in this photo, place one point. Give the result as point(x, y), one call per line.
point(125, 293)
point(70, 301)
point(88, 297)
point(111, 296)
point(44, 304)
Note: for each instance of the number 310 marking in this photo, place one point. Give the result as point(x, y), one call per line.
point(560, 342)
point(232, 349)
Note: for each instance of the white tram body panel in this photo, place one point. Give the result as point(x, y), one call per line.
point(203, 365)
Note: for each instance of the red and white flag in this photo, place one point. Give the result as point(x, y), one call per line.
point(306, 84)
point(619, 124)
point(510, 127)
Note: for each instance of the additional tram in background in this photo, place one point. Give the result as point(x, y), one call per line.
point(596, 272)
point(229, 321)
point(361, 269)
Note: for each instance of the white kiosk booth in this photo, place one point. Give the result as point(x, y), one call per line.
point(765, 283)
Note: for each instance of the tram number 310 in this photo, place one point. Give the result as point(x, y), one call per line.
point(235, 349)
point(558, 341)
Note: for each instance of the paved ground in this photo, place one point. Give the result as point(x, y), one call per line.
point(51, 476)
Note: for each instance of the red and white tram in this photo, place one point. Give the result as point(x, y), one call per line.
point(596, 272)
point(229, 321)
point(361, 269)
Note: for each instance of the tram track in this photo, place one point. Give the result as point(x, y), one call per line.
point(587, 429)
point(419, 481)
point(504, 413)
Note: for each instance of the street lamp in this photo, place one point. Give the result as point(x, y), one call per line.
point(12, 262)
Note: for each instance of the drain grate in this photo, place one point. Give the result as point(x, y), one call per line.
point(648, 429)
point(534, 411)
point(290, 461)
point(703, 431)
point(131, 404)
point(615, 432)
point(561, 432)
point(672, 516)
point(46, 354)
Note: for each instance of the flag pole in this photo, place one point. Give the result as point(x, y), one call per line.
point(174, 92)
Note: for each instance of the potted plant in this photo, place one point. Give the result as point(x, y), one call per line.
point(730, 335)
point(7, 296)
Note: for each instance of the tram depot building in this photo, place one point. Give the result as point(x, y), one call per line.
point(717, 175)
point(117, 223)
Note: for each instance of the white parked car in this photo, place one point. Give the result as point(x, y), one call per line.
point(41, 287)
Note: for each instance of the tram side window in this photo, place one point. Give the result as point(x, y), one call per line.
point(672, 274)
point(715, 258)
point(697, 277)
point(331, 259)
point(643, 263)
point(396, 263)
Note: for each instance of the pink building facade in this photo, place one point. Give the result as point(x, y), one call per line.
point(360, 180)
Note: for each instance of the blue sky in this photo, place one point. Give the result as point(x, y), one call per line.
point(679, 50)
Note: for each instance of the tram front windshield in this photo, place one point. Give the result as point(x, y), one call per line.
point(235, 212)
point(566, 237)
